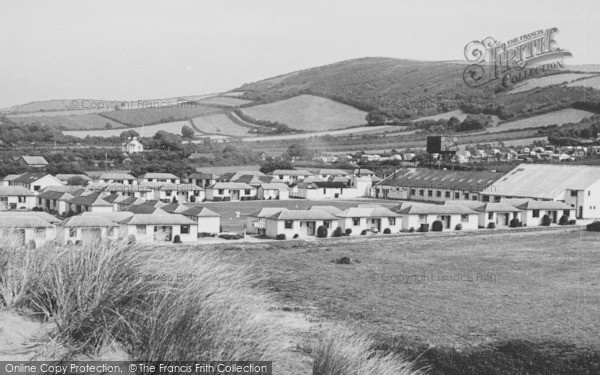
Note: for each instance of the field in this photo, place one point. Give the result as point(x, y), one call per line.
point(465, 303)
point(218, 124)
point(51, 105)
point(151, 116)
point(224, 101)
point(143, 131)
point(590, 82)
point(554, 79)
point(72, 122)
point(563, 116)
point(309, 113)
point(341, 132)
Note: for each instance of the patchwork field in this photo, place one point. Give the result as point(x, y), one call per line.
point(224, 101)
point(72, 122)
point(563, 116)
point(309, 113)
point(218, 124)
point(143, 131)
point(150, 116)
point(509, 302)
point(546, 81)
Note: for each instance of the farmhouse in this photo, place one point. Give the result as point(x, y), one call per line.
point(226, 191)
point(377, 219)
point(421, 216)
point(576, 185)
point(16, 198)
point(32, 161)
point(36, 181)
point(148, 228)
point(303, 223)
point(432, 185)
point(273, 191)
point(208, 221)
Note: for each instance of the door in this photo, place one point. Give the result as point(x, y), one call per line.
point(580, 215)
point(506, 219)
point(310, 228)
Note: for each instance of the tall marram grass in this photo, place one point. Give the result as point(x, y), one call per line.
point(158, 306)
point(342, 352)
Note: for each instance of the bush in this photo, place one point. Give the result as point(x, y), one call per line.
point(458, 226)
point(364, 232)
point(593, 227)
point(205, 234)
point(564, 220)
point(337, 232)
point(424, 227)
point(280, 236)
point(387, 231)
point(348, 231)
point(231, 236)
point(177, 239)
point(411, 230)
point(514, 223)
point(546, 220)
point(437, 226)
point(572, 222)
point(491, 225)
point(322, 231)
point(131, 239)
point(296, 235)
point(341, 353)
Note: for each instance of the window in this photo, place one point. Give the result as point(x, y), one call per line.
point(289, 224)
point(466, 195)
point(324, 190)
point(72, 232)
point(447, 195)
point(185, 229)
point(464, 218)
point(247, 191)
point(589, 192)
point(536, 213)
point(221, 191)
point(474, 197)
point(566, 212)
point(490, 215)
point(439, 193)
point(40, 232)
point(421, 192)
point(412, 192)
point(327, 224)
point(168, 193)
point(485, 198)
point(140, 229)
point(456, 195)
point(391, 220)
point(39, 200)
point(496, 199)
point(430, 193)
point(573, 193)
point(356, 221)
point(21, 199)
point(423, 219)
point(36, 187)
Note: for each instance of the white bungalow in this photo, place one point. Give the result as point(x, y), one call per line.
point(423, 215)
point(208, 221)
point(375, 219)
point(325, 190)
point(273, 190)
point(89, 228)
point(90, 201)
point(256, 221)
point(120, 178)
point(16, 198)
point(160, 177)
point(234, 191)
point(149, 228)
point(533, 212)
point(299, 223)
point(36, 181)
point(291, 175)
point(500, 214)
point(27, 229)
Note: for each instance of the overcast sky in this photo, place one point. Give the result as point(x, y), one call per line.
point(155, 49)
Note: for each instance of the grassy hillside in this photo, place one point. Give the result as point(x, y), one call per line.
point(309, 113)
point(218, 124)
point(71, 122)
point(151, 116)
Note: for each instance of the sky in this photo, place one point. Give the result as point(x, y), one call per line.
point(130, 50)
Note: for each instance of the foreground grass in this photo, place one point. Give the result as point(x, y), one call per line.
point(500, 302)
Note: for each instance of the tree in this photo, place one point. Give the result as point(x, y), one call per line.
point(270, 166)
point(77, 180)
point(129, 134)
point(108, 126)
point(187, 131)
point(299, 150)
point(453, 123)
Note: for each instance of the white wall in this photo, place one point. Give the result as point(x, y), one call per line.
point(275, 227)
point(149, 236)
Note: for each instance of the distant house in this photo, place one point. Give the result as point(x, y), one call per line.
point(54, 201)
point(372, 219)
point(132, 146)
point(90, 201)
point(27, 229)
point(291, 175)
point(160, 177)
point(149, 228)
point(230, 191)
point(325, 190)
point(330, 173)
point(303, 223)
point(419, 215)
point(273, 191)
point(5, 181)
point(256, 221)
point(533, 212)
point(32, 161)
point(498, 213)
point(120, 178)
point(36, 181)
point(203, 179)
point(16, 198)
point(208, 221)
point(89, 229)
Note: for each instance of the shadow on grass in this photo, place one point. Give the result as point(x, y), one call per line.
point(504, 357)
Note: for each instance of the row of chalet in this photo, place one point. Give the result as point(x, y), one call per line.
point(408, 216)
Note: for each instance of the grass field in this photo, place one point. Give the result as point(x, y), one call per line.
point(309, 113)
point(563, 116)
point(218, 124)
point(71, 122)
point(466, 303)
point(151, 116)
point(143, 131)
point(590, 82)
point(554, 79)
point(224, 101)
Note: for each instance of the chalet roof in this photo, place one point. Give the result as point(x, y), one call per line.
point(231, 185)
point(441, 179)
point(141, 209)
point(545, 205)
point(174, 208)
point(11, 191)
point(34, 160)
point(91, 199)
point(199, 211)
point(202, 175)
point(115, 217)
point(433, 209)
point(496, 207)
point(159, 219)
point(274, 186)
point(23, 222)
point(367, 212)
point(88, 221)
point(66, 176)
point(29, 177)
point(291, 172)
point(286, 214)
point(168, 176)
point(266, 212)
point(117, 176)
point(39, 214)
point(331, 209)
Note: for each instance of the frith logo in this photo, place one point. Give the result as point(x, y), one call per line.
point(526, 56)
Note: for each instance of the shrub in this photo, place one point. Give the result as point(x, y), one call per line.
point(424, 227)
point(387, 231)
point(411, 230)
point(572, 222)
point(322, 231)
point(231, 236)
point(364, 232)
point(491, 225)
point(593, 227)
point(131, 239)
point(337, 232)
point(546, 220)
point(348, 231)
point(205, 234)
point(342, 353)
point(296, 235)
point(564, 220)
point(280, 236)
point(514, 223)
point(437, 226)
point(177, 239)
point(458, 226)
